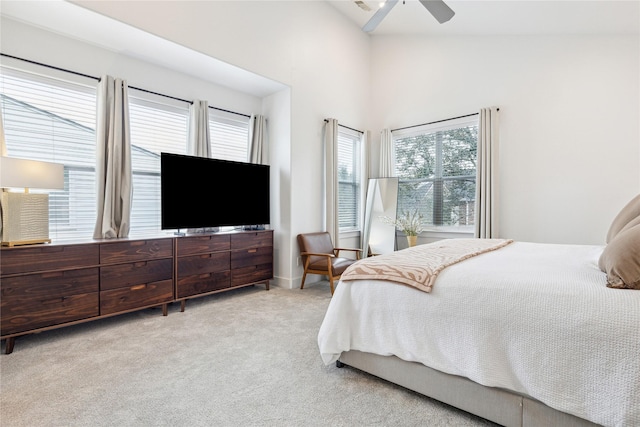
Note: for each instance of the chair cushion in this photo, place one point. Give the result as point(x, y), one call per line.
point(338, 265)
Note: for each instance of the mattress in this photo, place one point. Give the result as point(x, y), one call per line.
point(536, 319)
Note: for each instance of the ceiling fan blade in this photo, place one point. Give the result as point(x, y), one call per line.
point(438, 9)
point(379, 16)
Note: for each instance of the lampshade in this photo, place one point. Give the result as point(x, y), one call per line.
point(25, 216)
point(23, 173)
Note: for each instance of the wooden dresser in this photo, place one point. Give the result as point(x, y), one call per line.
point(136, 274)
point(218, 262)
point(55, 285)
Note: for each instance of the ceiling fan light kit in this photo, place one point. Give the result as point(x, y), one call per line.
point(438, 8)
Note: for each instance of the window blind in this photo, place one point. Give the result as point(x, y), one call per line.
point(158, 125)
point(229, 135)
point(53, 120)
point(348, 179)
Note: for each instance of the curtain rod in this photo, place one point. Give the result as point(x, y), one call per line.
point(437, 121)
point(346, 127)
point(98, 79)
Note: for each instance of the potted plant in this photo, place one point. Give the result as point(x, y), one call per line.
point(410, 223)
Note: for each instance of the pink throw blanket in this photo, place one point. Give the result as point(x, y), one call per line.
point(419, 266)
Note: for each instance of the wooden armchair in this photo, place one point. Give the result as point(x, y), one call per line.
point(320, 257)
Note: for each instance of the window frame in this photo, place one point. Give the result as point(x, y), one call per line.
point(223, 121)
point(471, 120)
point(145, 206)
point(354, 137)
point(72, 211)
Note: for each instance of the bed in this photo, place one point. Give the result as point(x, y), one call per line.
point(525, 334)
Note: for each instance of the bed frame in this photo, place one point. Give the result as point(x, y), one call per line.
point(498, 405)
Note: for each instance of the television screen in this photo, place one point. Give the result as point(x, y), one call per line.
point(199, 192)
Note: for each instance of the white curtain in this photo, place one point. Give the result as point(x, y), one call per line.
point(199, 141)
point(113, 160)
point(366, 156)
point(364, 185)
point(387, 155)
point(258, 152)
point(331, 179)
point(486, 180)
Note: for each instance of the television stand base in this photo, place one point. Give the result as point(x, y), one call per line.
point(253, 228)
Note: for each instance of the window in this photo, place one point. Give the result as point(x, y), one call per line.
point(53, 120)
point(229, 135)
point(349, 160)
point(50, 115)
point(436, 167)
point(157, 124)
point(160, 124)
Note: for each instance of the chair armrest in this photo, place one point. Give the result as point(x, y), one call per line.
point(317, 254)
point(357, 251)
point(348, 249)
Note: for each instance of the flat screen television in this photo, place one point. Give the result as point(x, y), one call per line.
point(198, 192)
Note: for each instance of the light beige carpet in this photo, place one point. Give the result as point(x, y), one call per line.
point(244, 358)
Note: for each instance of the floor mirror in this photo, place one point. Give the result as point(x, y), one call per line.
point(379, 236)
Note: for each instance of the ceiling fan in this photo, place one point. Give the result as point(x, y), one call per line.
point(437, 8)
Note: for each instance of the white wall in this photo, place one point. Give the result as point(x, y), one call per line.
point(569, 111)
point(35, 44)
point(277, 109)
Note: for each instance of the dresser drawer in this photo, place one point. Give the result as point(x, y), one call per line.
point(251, 239)
point(43, 258)
point(16, 289)
point(136, 296)
point(203, 283)
point(252, 256)
point(202, 244)
point(123, 275)
point(251, 274)
point(24, 314)
point(136, 250)
point(201, 264)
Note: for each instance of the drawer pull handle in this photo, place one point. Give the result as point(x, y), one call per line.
point(54, 300)
point(252, 251)
point(138, 287)
point(53, 274)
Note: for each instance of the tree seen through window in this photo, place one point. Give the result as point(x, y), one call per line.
point(437, 174)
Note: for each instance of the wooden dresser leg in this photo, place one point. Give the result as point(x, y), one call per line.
point(165, 309)
point(9, 345)
point(182, 304)
point(267, 284)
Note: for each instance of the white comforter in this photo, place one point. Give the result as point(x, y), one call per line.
point(534, 318)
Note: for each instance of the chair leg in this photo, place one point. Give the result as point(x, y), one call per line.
point(304, 276)
point(331, 284)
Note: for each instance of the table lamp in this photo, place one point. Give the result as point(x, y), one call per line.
point(25, 215)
